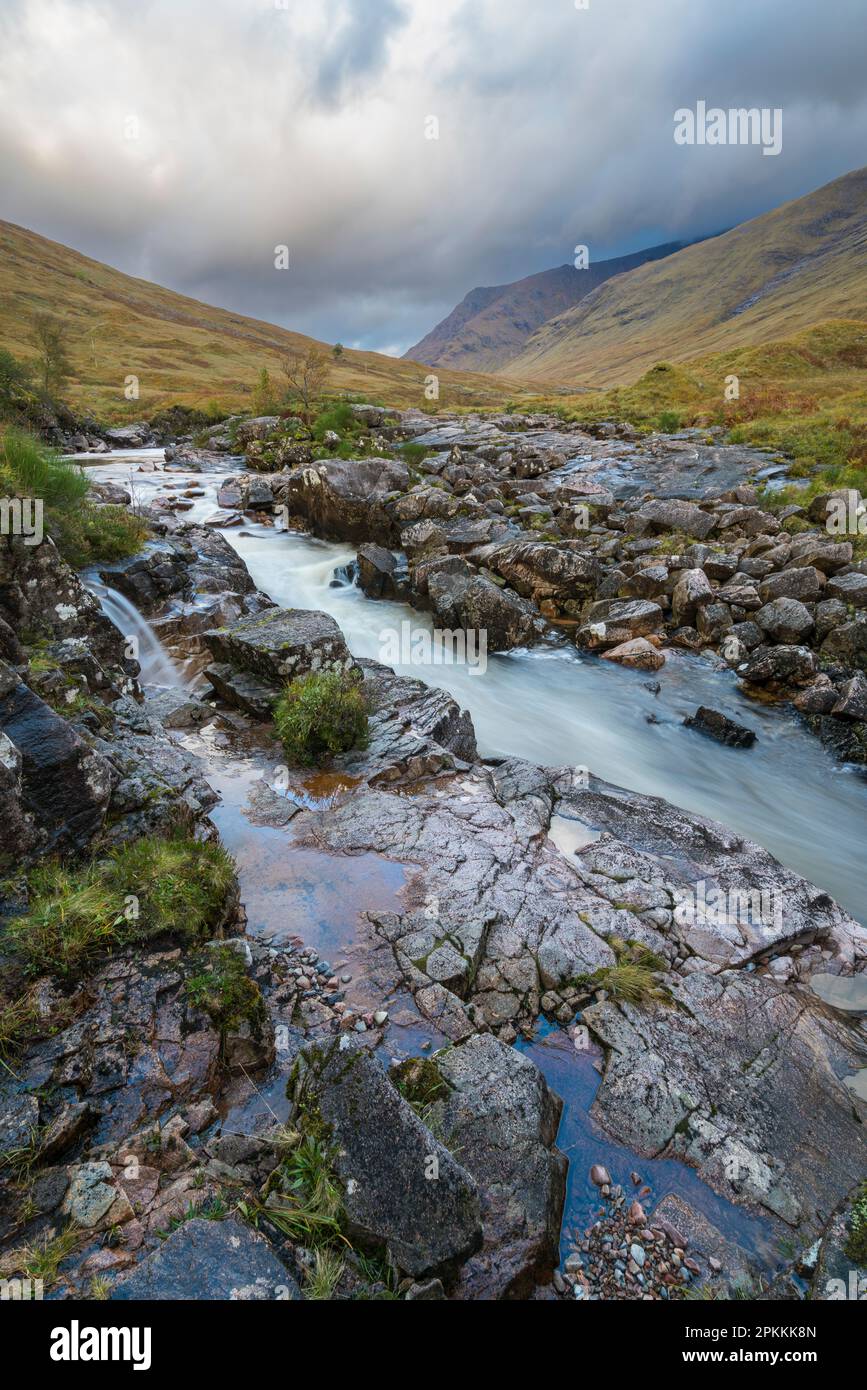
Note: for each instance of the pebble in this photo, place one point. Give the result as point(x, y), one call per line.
point(620, 1257)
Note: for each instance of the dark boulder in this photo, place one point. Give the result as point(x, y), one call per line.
point(719, 726)
point(346, 499)
point(57, 788)
point(474, 602)
point(403, 1190)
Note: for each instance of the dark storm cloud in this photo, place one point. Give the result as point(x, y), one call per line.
point(259, 123)
point(359, 46)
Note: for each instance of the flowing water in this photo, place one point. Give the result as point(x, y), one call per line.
point(157, 667)
point(556, 707)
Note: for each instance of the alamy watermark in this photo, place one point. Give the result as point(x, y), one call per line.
point(846, 514)
point(732, 907)
point(416, 646)
point(22, 516)
point(736, 126)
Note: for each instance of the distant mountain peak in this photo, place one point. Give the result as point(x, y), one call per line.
point(492, 324)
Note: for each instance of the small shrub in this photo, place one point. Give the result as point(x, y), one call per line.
point(321, 715)
point(669, 422)
point(337, 417)
point(414, 453)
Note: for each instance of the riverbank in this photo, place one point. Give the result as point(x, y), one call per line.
point(477, 894)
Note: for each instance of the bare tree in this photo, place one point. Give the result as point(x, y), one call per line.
point(306, 374)
point(53, 367)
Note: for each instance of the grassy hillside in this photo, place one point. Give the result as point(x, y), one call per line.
point(802, 264)
point(182, 351)
point(491, 326)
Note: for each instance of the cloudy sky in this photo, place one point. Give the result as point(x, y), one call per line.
point(183, 140)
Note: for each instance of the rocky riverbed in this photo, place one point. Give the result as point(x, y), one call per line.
point(480, 896)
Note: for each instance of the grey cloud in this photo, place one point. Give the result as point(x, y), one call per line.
point(305, 126)
point(358, 48)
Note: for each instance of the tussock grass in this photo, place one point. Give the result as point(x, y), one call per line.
point(306, 1199)
point(82, 531)
point(148, 888)
point(19, 1020)
point(43, 1259)
point(323, 1276)
point(632, 979)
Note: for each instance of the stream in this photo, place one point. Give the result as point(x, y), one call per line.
point(553, 706)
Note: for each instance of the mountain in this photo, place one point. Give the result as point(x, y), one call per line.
point(490, 327)
point(180, 349)
point(769, 278)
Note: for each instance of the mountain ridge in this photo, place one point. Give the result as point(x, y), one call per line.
point(775, 275)
point(491, 324)
point(180, 348)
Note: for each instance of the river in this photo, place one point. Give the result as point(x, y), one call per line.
point(557, 707)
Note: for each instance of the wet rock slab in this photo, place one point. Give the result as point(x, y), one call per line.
point(282, 644)
point(210, 1260)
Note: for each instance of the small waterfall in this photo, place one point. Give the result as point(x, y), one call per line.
point(157, 667)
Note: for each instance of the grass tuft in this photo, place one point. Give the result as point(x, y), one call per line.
point(82, 531)
point(147, 888)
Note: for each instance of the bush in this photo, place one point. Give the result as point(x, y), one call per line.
point(337, 417)
point(82, 531)
point(669, 422)
point(140, 890)
point(321, 715)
